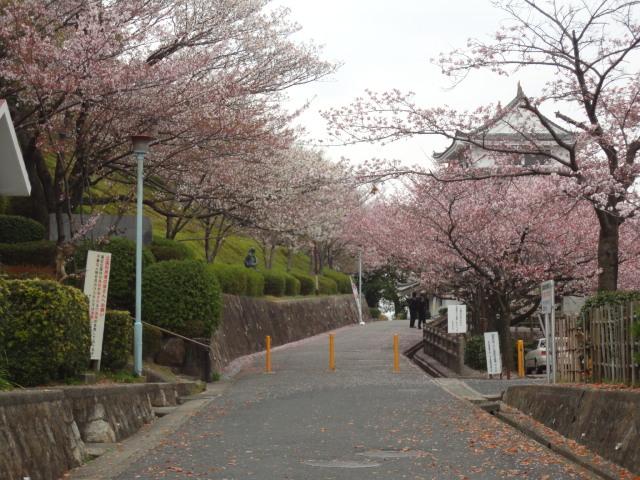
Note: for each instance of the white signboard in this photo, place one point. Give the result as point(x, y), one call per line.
point(96, 286)
point(547, 297)
point(492, 349)
point(457, 318)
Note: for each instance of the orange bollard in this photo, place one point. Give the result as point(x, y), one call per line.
point(332, 353)
point(396, 353)
point(521, 371)
point(267, 368)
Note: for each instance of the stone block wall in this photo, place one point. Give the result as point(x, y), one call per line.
point(247, 321)
point(43, 432)
point(605, 421)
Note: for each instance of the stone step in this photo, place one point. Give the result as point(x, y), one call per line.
point(95, 450)
point(163, 411)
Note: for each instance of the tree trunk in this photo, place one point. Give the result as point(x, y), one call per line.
point(608, 251)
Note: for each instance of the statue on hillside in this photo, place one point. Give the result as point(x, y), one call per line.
point(250, 261)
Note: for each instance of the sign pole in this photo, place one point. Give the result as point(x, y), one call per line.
point(553, 346)
point(360, 287)
point(137, 327)
point(546, 340)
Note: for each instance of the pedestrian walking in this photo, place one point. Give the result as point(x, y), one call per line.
point(412, 303)
point(423, 309)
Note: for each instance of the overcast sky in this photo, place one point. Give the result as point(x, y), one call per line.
point(386, 44)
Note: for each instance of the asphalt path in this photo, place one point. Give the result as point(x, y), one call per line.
point(362, 421)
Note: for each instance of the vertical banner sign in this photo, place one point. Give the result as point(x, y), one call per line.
point(96, 286)
point(457, 318)
point(492, 349)
point(546, 297)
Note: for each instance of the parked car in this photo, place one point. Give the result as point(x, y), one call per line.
point(535, 361)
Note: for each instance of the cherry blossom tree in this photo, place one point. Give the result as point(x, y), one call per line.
point(588, 50)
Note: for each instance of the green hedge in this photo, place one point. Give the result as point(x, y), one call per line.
point(619, 297)
point(326, 286)
point(232, 278)
point(275, 283)
point(164, 249)
point(117, 341)
point(45, 335)
point(182, 296)
point(375, 313)
point(255, 283)
point(292, 285)
point(16, 229)
point(307, 283)
point(41, 252)
point(151, 342)
point(122, 279)
point(474, 353)
point(343, 280)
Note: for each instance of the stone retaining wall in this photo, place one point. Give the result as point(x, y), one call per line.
point(246, 321)
point(43, 431)
point(605, 421)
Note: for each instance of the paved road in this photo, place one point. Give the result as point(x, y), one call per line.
point(361, 422)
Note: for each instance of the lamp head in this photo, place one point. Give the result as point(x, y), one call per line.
point(141, 143)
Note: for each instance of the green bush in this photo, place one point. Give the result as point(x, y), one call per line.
point(182, 296)
point(474, 353)
point(619, 297)
point(41, 252)
point(443, 311)
point(326, 286)
point(232, 278)
point(375, 313)
point(292, 286)
point(343, 280)
point(307, 283)
point(122, 279)
point(275, 283)
point(164, 249)
point(117, 341)
point(45, 335)
point(4, 205)
point(16, 229)
point(255, 283)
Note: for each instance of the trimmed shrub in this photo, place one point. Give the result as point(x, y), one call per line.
point(474, 353)
point(4, 205)
point(182, 296)
point(375, 313)
point(117, 341)
point(122, 279)
point(619, 297)
point(41, 252)
point(443, 311)
point(255, 283)
point(16, 229)
point(45, 335)
point(343, 280)
point(274, 283)
point(292, 285)
point(164, 249)
point(232, 278)
point(307, 283)
point(326, 286)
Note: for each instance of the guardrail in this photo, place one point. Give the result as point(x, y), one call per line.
point(448, 349)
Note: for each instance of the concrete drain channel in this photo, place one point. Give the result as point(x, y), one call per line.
point(373, 458)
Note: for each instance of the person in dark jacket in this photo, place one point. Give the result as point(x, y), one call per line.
point(412, 303)
point(423, 309)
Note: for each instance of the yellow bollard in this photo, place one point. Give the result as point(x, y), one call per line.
point(268, 357)
point(332, 353)
point(520, 358)
point(396, 354)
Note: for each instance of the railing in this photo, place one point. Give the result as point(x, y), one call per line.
point(206, 352)
point(448, 349)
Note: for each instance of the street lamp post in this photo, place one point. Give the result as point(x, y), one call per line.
point(140, 149)
point(361, 322)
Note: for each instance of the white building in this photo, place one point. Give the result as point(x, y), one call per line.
point(514, 129)
point(14, 180)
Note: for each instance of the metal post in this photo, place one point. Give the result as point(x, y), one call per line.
point(137, 331)
point(267, 367)
point(553, 345)
point(332, 353)
point(360, 287)
point(396, 354)
point(546, 346)
point(521, 371)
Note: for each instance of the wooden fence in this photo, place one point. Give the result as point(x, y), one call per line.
point(599, 346)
